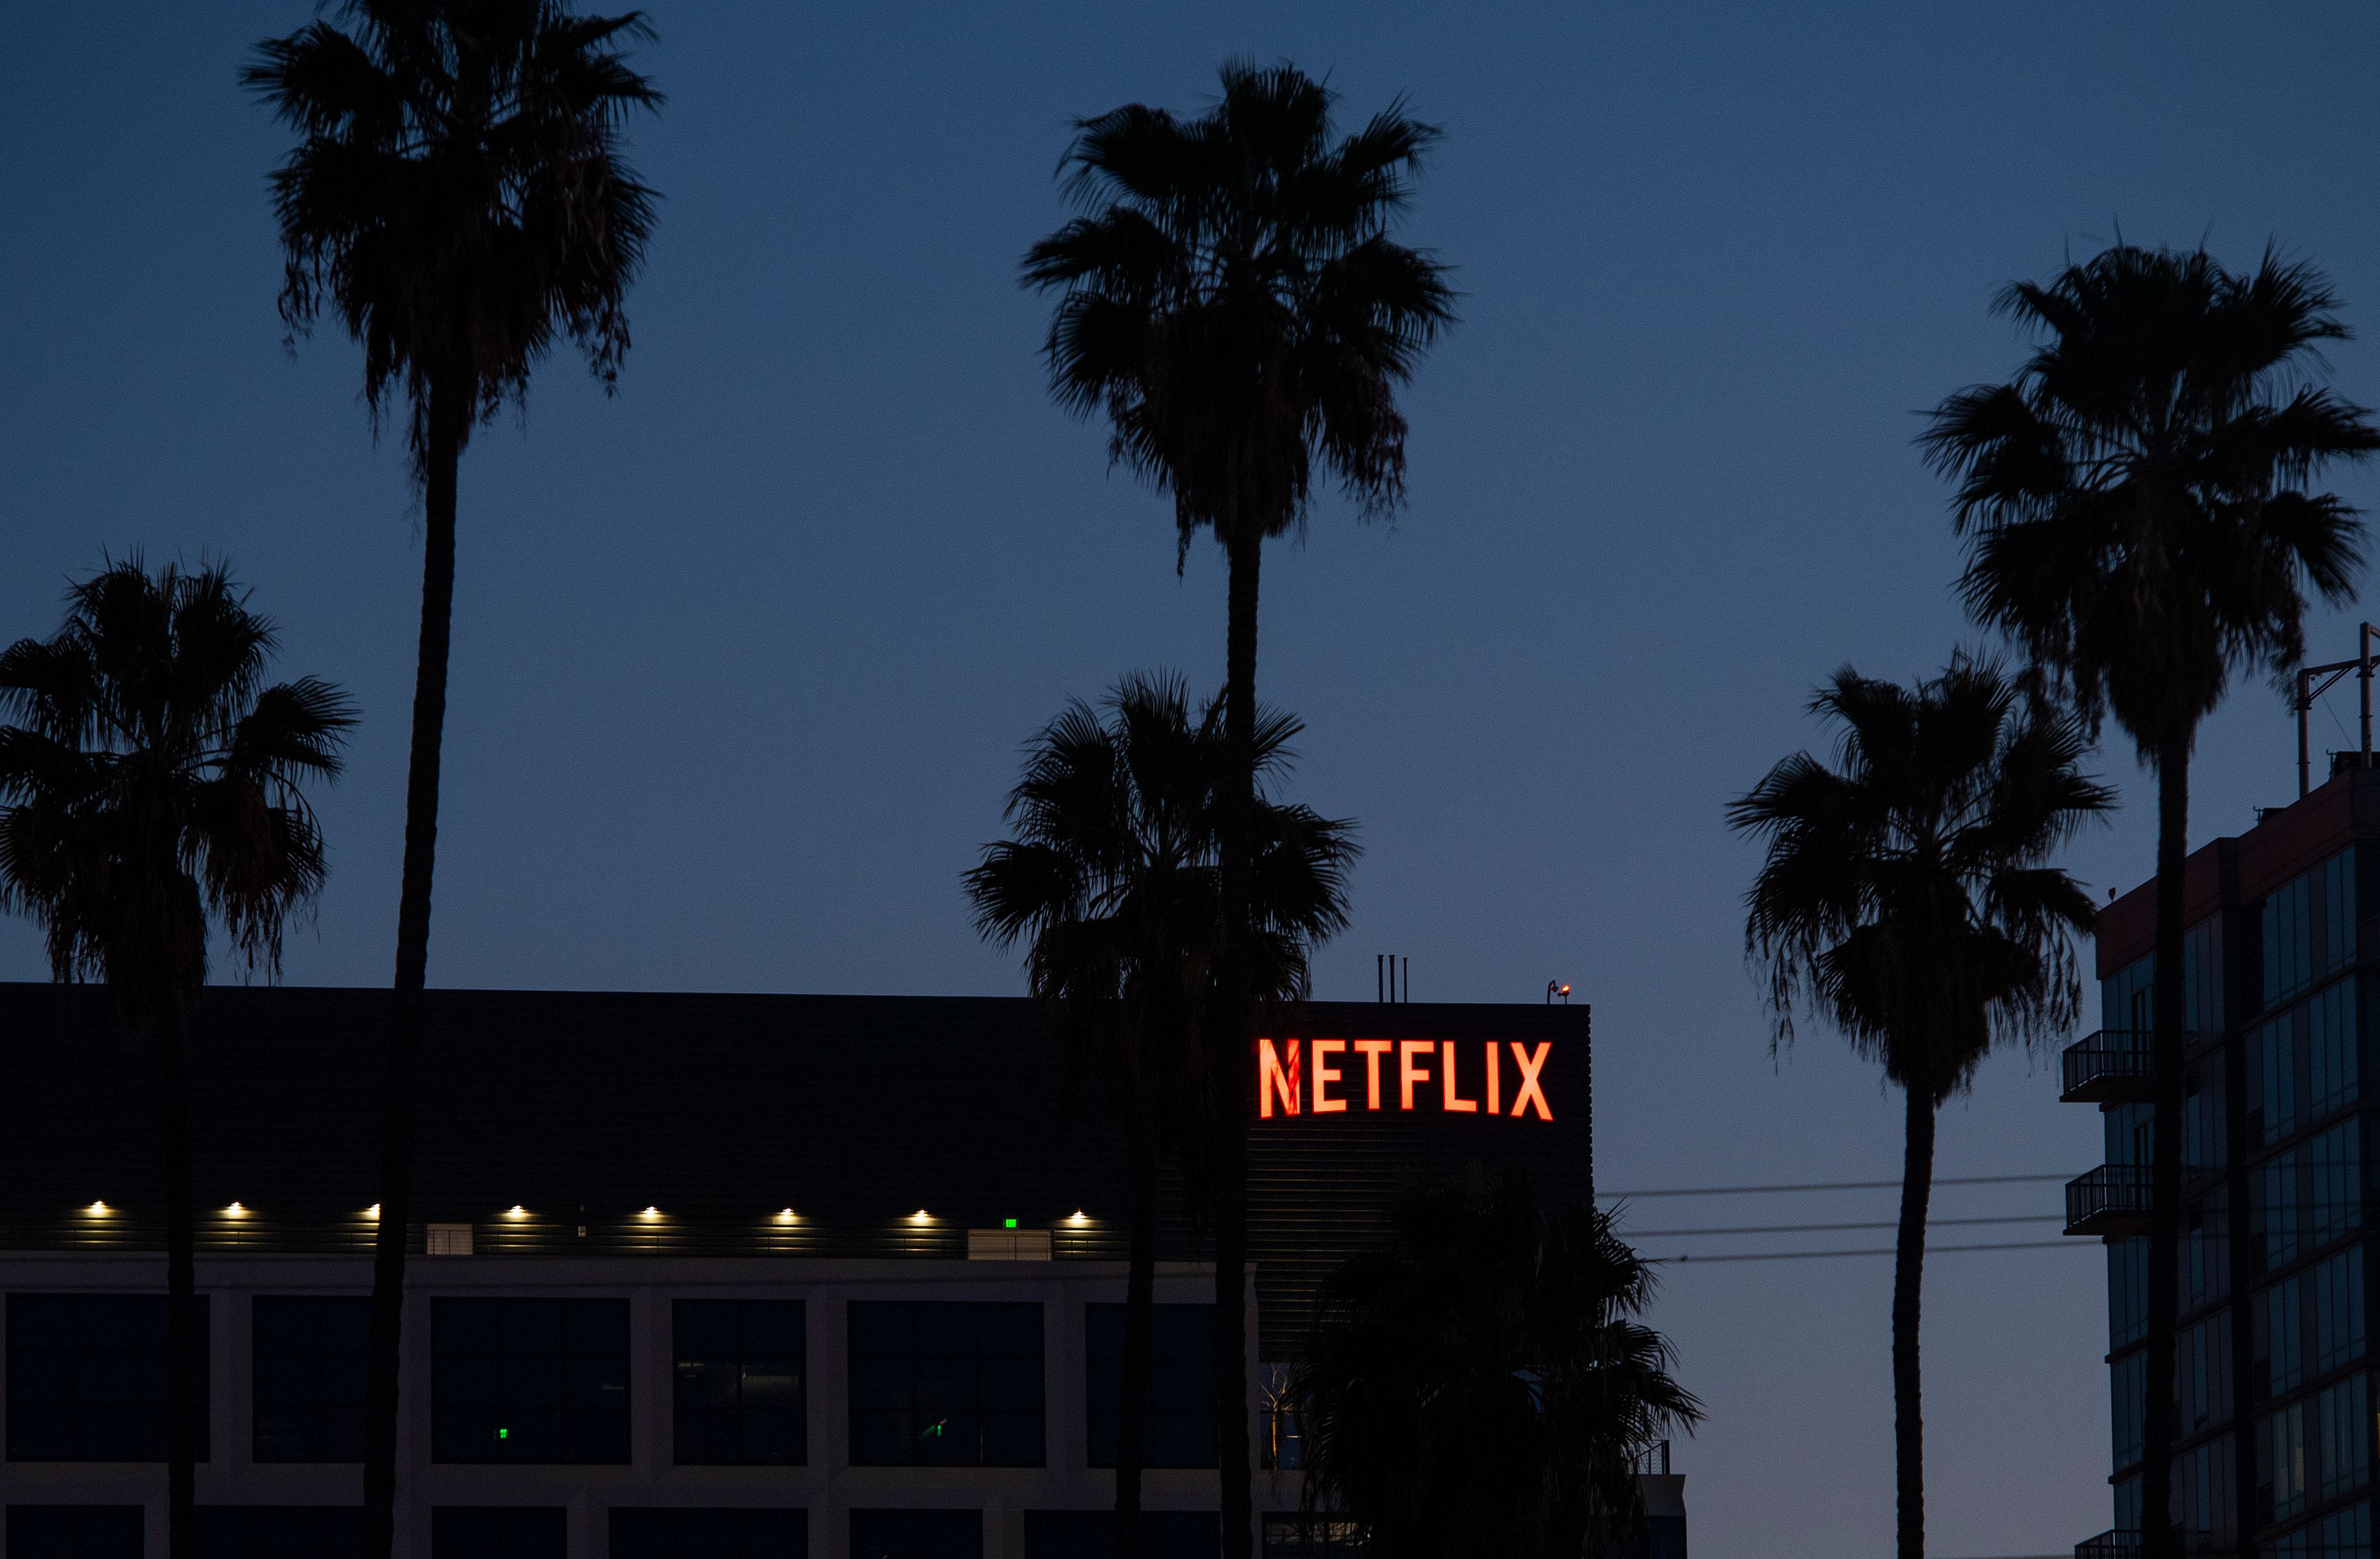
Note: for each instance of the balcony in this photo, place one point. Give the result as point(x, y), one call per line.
point(2112, 1200)
point(2110, 1067)
point(2109, 1545)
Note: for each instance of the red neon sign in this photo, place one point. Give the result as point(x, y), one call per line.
point(1285, 1083)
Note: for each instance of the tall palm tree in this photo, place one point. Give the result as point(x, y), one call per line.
point(1114, 876)
point(2138, 518)
point(458, 200)
point(1907, 899)
point(1482, 1385)
point(1231, 302)
point(152, 785)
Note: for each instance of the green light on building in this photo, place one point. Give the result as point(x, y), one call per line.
point(504, 1434)
point(1008, 1223)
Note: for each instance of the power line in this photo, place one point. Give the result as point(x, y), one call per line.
point(1831, 1228)
point(1828, 1185)
point(1880, 1250)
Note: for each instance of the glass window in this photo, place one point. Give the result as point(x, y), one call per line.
point(1288, 1534)
point(1181, 1420)
point(2126, 1406)
point(740, 1382)
point(2124, 997)
point(1090, 1534)
point(2127, 1292)
point(74, 1532)
point(2341, 1428)
point(2337, 1288)
point(2201, 1495)
point(945, 1385)
point(499, 1532)
point(917, 1534)
point(2309, 1196)
point(2288, 947)
point(2202, 1369)
point(2332, 1070)
point(655, 1532)
point(529, 1381)
point(308, 1370)
point(280, 1531)
point(2202, 1116)
point(87, 1377)
point(2279, 1323)
point(2206, 1250)
point(2272, 1078)
point(2282, 1461)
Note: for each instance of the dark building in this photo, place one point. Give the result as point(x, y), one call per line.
point(698, 1274)
point(2274, 1372)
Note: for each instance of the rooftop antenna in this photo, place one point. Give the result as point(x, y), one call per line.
point(2330, 672)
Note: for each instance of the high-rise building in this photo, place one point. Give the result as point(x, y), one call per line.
point(2273, 1376)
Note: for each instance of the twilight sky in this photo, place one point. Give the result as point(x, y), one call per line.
point(743, 656)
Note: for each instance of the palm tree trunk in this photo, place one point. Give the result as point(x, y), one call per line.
point(1908, 1291)
point(1139, 1299)
point(1231, 1062)
point(448, 412)
point(181, 1300)
point(2159, 1538)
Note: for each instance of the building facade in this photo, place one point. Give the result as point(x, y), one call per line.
point(694, 1275)
point(2273, 1376)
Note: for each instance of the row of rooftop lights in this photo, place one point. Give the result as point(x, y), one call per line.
point(233, 1209)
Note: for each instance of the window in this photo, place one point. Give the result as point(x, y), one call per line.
point(2342, 1534)
point(1288, 1535)
point(2340, 1417)
point(917, 1534)
point(1090, 1534)
point(496, 1531)
point(2206, 1250)
point(741, 1400)
point(529, 1381)
point(2279, 1327)
point(2201, 1495)
point(2281, 1463)
point(945, 1385)
point(2126, 1406)
point(87, 1377)
point(2203, 1359)
point(2304, 1064)
point(1178, 1428)
point(2337, 1288)
point(2127, 1292)
point(2202, 1116)
point(74, 1532)
point(2309, 925)
point(280, 1531)
point(309, 1384)
point(660, 1534)
point(2309, 1196)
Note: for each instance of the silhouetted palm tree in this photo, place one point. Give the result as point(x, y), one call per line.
point(1233, 306)
point(2136, 506)
point(1482, 1385)
point(1907, 899)
point(1114, 876)
point(458, 202)
point(152, 785)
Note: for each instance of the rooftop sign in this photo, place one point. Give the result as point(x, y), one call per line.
point(1447, 1077)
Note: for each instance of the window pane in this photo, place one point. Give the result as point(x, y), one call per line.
point(280, 1531)
point(87, 1377)
point(498, 1532)
point(917, 1534)
point(652, 1533)
point(1178, 1429)
point(74, 1532)
point(529, 1380)
point(309, 1377)
point(740, 1382)
point(945, 1385)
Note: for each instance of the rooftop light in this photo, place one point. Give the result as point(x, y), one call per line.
point(372, 1211)
point(235, 1211)
point(98, 1210)
point(515, 1210)
point(1078, 1217)
point(650, 1212)
point(920, 1216)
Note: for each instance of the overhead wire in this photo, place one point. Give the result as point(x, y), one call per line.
point(1833, 1228)
point(1826, 1185)
point(1878, 1250)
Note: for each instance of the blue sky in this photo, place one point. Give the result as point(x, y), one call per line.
point(742, 655)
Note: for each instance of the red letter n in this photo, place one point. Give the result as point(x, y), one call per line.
point(1275, 1081)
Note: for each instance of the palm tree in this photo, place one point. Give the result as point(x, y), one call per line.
point(2136, 508)
point(1481, 1383)
point(1232, 303)
point(458, 200)
point(1113, 877)
point(152, 785)
point(1908, 901)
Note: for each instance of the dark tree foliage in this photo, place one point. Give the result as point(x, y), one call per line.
point(1232, 303)
point(152, 785)
point(1909, 900)
point(2140, 521)
point(1114, 879)
point(1483, 1383)
point(458, 201)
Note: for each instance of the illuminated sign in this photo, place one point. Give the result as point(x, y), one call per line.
point(1334, 1077)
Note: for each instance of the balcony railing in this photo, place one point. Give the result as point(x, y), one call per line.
point(2110, 1067)
point(2115, 1545)
point(1652, 1461)
point(2111, 1200)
